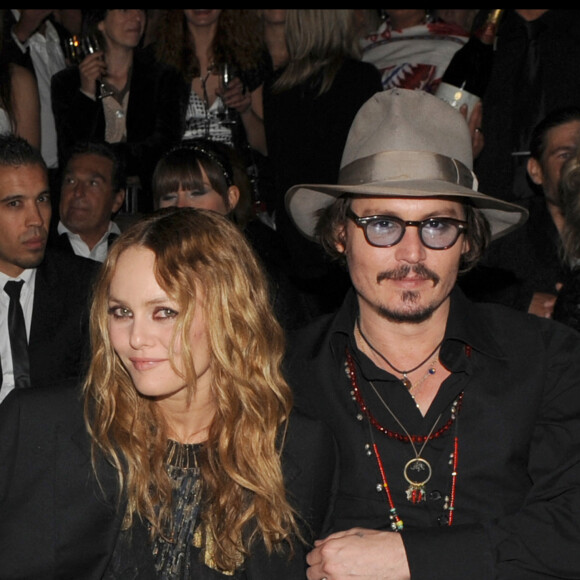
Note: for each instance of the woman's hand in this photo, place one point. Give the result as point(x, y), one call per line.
point(91, 69)
point(235, 97)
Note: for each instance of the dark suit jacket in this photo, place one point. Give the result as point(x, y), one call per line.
point(59, 336)
point(155, 115)
point(55, 522)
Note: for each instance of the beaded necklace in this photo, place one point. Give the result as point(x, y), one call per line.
point(417, 481)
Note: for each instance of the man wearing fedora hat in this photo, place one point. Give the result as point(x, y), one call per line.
point(457, 424)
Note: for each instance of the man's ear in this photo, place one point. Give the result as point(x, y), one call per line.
point(118, 200)
point(535, 171)
point(340, 243)
point(466, 246)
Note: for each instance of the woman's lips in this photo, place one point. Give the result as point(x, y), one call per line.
point(145, 364)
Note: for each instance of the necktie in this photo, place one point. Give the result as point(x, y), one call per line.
point(17, 333)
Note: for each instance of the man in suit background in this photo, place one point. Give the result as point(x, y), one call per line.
point(55, 287)
point(92, 192)
point(35, 41)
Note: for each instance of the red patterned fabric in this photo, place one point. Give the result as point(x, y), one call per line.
point(415, 57)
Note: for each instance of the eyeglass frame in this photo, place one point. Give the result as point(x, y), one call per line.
point(364, 221)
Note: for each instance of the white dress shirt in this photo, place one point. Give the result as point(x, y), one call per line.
point(80, 248)
point(26, 301)
point(48, 59)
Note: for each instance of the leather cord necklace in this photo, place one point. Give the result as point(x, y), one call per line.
point(405, 380)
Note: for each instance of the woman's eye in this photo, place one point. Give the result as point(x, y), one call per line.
point(165, 313)
point(119, 312)
point(197, 193)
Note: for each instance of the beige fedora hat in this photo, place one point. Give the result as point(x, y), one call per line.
point(404, 143)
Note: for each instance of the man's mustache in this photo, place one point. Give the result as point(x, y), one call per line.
point(402, 272)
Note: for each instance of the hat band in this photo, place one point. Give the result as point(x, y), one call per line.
point(407, 166)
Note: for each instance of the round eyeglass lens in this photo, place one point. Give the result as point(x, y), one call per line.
point(383, 232)
point(438, 234)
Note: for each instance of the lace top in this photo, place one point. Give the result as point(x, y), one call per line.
point(173, 559)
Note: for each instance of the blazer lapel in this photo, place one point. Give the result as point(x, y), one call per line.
point(47, 303)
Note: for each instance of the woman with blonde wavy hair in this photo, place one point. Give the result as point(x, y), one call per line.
point(318, 43)
point(308, 109)
point(200, 467)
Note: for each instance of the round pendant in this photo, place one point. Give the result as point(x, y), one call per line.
point(417, 471)
point(406, 383)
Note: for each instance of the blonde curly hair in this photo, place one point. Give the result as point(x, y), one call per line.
point(243, 495)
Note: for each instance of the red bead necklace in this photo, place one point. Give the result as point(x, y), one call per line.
point(416, 492)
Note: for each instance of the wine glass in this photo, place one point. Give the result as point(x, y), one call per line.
point(74, 52)
point(226, 76)
point(90, 45)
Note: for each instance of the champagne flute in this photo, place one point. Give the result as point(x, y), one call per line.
point(91, 44)
point(226, 76)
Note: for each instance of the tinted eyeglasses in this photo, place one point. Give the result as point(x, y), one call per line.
point(384, 231)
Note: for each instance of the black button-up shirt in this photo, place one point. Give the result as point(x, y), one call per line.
point(517, 505)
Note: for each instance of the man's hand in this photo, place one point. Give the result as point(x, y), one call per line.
point(359, 553)
point(542, 304)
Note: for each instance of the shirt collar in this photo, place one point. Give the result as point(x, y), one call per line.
point(50, 30)
point(467, 326)
point(112, 229)
point(25, 275)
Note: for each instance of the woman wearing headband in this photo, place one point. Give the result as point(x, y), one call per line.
point(207, 174)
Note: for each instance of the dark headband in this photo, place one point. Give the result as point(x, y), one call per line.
point(219, 160)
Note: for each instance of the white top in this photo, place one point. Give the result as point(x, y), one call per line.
point(204, 123)
point(48, 59)
point(26, 301)
point(80, 248)
point(5, 126)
